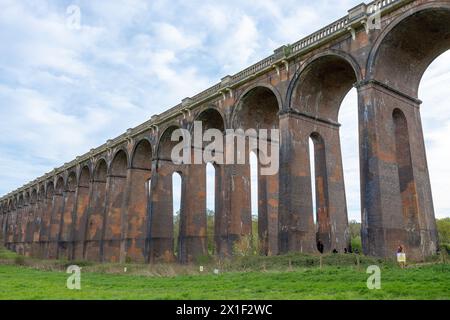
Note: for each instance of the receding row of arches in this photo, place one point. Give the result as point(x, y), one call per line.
point(128, 208)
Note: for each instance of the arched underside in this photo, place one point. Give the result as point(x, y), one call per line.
point(396, 192)
point(91, 247)
point(138, 191)
point(406, 51)
point(81, 214)
point(142, 156)
point(211, 119)
point(322, 86)
point(258, 109)
point(101, 170)
point(85, 177)
point(119, 164)
point(112, 233)
point(211, 229)
point(166, 145)
point(55, 219)
point(316, 97)
point(64, 237)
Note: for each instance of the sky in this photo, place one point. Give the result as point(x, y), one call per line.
point(65, 90)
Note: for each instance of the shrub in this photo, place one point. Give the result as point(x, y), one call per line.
point(244, 246)
point(19, 260)
point(80, 263)
point(203, 259)
point(445, 248)
point(356, 244)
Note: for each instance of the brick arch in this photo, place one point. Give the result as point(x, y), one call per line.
point(211, 118)
point(15, 201)
point(165, 145)
point(248, 112)
point(406, 180)
point(84, 176)
point(100, 169)
point(320, 85)
point(274, 90)
point(217, 122)
point(408, 45)
point(116, 187)
point(142, 154)
point(323, 221)
point(49, 189)
point(33, 195)
point(72, 181)
point(59, 188)
point(119, 162)
point(41, 192)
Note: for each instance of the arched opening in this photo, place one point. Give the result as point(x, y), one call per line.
point(161, 212)
point(117, 180)
point(80, 219)
point(64, 243)
point(37, 242)
point(96, 212)
point(2, 221)
point(319, 187)
point(257, 115)
point(348, 119)
point(318, 95)
point(212, 150)
point(166, 145)
point(8, 224)
point(21, 215)
point(433, 91)
point(15, 220)
point(409, 46)
point(404, 51)
point(56, 218)
point(138, 202)
point(46, 220)
point(176, 205)
point(405, 172)
point(254, 204)
point(211, 189)
point(31, 221)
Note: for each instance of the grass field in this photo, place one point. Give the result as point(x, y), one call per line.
point(289, 277)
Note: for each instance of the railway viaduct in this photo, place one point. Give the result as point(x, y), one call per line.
point(114, 203)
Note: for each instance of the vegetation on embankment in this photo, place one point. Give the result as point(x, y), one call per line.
point(292, 276)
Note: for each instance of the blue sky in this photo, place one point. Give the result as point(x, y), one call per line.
point(65, 91)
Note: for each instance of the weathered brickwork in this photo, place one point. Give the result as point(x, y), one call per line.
point(115, 203)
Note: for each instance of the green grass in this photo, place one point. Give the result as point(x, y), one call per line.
point(425, 282)
point(292, 276)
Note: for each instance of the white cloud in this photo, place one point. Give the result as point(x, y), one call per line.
point(65, 91)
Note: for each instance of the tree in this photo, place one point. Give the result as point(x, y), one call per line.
point(355, 235)
point(443, 226)
point(209, 230)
